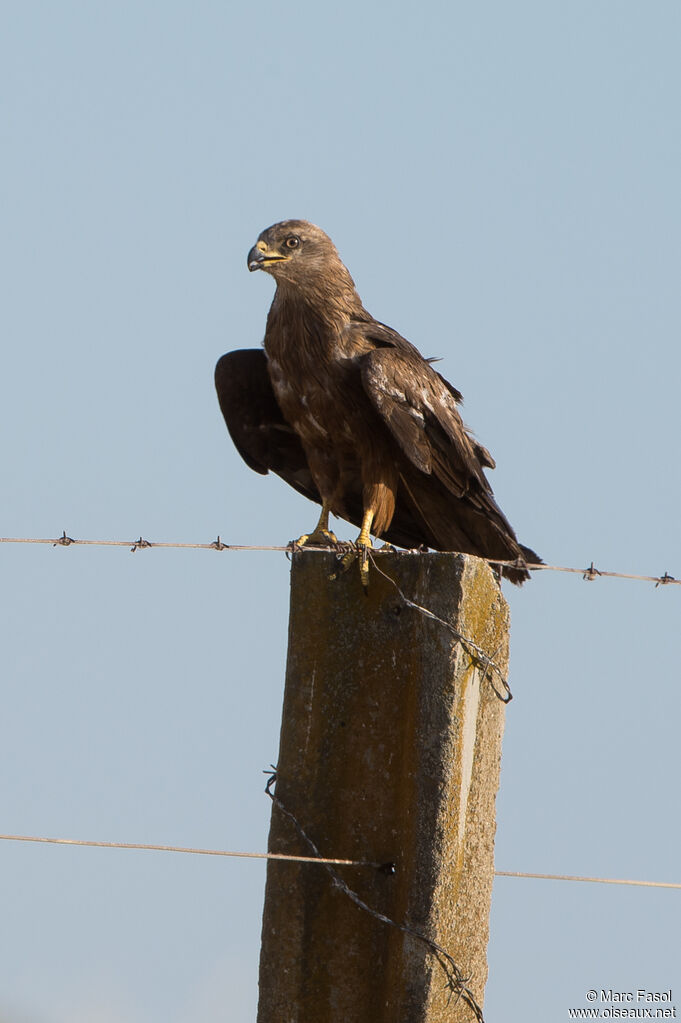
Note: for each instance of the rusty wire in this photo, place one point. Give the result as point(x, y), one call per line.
point(184, 849)
point(477, 655)
point(387, 868)
point(455, 981)
point(593, 880)
point(590, 573)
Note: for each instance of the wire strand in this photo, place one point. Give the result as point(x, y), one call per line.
point(479, 656)
point(186, 849)
point(589, 573)
point(455, 981)
point(315, 859)
point(595, 880)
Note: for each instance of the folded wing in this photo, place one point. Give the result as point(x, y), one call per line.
point(442, 477)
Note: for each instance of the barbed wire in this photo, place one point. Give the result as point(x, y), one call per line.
point(455, 981)
point(590, 573)
point(477, 655)
point(385, 867)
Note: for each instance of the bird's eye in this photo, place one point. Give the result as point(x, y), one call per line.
point(292, 242)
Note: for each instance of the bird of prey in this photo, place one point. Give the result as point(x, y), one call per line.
point(350, 414)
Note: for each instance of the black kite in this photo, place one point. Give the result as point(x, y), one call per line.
point(352, 416)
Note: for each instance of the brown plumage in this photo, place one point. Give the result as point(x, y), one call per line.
point(350, 413)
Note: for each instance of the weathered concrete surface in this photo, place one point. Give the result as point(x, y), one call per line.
point(390, 751)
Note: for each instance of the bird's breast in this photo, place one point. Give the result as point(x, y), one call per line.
point(317, 401)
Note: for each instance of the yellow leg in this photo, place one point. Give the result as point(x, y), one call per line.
point(364, 538)
point(362, 547)
point(321, 535)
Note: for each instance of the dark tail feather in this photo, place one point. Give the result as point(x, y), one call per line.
point(520, 575)
point(446, 523)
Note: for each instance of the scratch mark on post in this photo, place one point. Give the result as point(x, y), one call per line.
point(309, 708)
point(471, 703)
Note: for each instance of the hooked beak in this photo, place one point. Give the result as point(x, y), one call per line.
point(259, 258)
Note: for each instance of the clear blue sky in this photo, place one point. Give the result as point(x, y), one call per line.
point(503, 182)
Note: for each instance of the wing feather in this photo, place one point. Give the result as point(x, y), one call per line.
point(255, 421)
point(443, 483)
point(445, 500)
point(420, 410)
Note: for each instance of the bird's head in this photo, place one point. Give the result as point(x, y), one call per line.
point(299, 255)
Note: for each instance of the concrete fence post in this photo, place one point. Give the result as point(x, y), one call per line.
point(390, 752)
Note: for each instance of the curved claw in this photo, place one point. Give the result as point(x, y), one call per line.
point(359, 552)
point(364, 565)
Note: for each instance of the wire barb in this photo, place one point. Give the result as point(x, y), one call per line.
point(140, 545)
point(591, 573)
point(455, 982)
point(64, 540)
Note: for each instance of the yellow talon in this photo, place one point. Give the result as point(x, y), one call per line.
point(321, 535)
point(361, 552)
point(317, 538)
point(364, 565)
